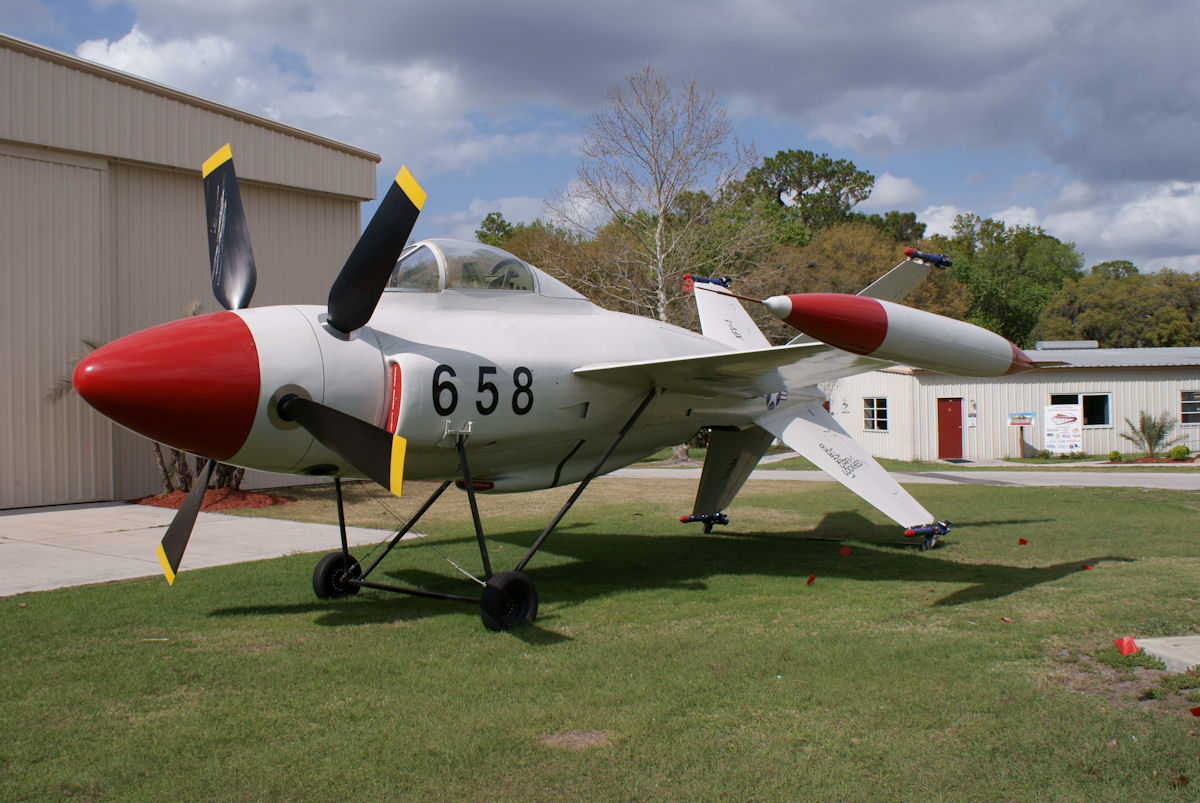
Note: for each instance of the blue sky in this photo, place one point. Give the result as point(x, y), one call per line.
point(1081, 116)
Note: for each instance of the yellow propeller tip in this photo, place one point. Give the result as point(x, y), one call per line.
point(411, 188)
point(168, 572)
point(216, 160)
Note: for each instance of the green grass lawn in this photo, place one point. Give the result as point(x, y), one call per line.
point(674, 665)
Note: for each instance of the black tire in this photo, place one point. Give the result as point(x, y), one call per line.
point(329, 578)
point(509, 599)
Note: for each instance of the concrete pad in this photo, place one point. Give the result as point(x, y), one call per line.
point(50, 548)
point(1179, 653)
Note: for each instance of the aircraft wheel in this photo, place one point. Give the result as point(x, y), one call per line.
point(509, 599)
point(329, 578)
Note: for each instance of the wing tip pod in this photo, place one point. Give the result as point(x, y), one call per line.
point(223, 155)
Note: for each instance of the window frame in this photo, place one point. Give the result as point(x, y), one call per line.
point(1056, 398)
point(875, 414)
point(1195, 401)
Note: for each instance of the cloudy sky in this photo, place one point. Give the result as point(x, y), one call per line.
point(1082, 116)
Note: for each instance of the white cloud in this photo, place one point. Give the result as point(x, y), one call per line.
point(463, 223)
point(410, 107)
point(939, 219)
point(891, 192)
point(1018, 216)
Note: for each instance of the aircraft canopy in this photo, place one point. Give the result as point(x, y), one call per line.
point(431, 266)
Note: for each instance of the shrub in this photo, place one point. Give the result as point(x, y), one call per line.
point(1114, 456)
point(1180, 452)
point(1042, 454)
point(1151, 433)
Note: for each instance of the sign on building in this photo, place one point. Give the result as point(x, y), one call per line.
point(1062, 428)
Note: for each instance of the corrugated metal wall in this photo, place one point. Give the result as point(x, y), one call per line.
point(102, 233)
point(912, 433)
point(52, 293)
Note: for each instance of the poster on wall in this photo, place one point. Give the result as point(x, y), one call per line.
point(1062, 428)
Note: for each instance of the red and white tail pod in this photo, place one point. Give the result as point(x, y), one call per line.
point(894, 332)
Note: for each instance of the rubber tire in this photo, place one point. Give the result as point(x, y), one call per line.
point(509, 599)
point(330, 574)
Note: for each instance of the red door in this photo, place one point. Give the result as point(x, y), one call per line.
point(949, 424)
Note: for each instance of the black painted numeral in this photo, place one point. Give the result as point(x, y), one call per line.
point(440, 388)
point(522, 400)
point(488, 388)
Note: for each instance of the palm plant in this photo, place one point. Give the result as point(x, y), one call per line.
point(1150, 433)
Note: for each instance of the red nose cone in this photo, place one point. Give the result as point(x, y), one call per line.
point(1020, 361)
point(191, 384)
point(853, 323)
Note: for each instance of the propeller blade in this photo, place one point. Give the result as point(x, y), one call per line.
point(357, 289)
point(374, 451)
point(170, 551)
point(233, 274)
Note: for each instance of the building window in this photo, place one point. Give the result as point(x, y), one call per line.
point(1095, 406)
point(1189, 407)
point(875, 414)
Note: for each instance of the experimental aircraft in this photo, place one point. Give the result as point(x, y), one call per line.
point(460, 363)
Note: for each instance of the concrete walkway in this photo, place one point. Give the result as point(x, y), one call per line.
point(45, 548)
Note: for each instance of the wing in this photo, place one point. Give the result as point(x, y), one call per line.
point(756, 372)
point(814, 433)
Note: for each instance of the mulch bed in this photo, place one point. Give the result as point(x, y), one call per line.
point(216, 499)
point(1151, 460)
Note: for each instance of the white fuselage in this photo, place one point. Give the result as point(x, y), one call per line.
point(497, 365)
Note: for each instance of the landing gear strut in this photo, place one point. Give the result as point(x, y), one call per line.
point(509, 599)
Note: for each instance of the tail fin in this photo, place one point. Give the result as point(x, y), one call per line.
point(724, 319)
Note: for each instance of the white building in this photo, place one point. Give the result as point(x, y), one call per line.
point(911, 414)
point(102, 233)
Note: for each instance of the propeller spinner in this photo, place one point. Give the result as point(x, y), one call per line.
point(141, 377)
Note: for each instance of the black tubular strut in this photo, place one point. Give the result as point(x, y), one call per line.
point(460, 443)
point(362, 582)
point(337, 490)
point(541, 539)
point(408, 525)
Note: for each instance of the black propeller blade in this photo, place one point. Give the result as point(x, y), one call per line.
point(375, 452)
point(233, 274)
point(170, 551)
point(357, 289)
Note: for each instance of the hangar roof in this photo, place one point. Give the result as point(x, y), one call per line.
point(1119, 358)
point(58, 102)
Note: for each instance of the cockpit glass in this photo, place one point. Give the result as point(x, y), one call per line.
point(416, 272)
point(473, 266)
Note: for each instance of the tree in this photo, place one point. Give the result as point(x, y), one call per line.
point(652, 163)
point(819, 189)
point(494, 230)
point(1011, 272)
point(1121, 308)
point(901, 226)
